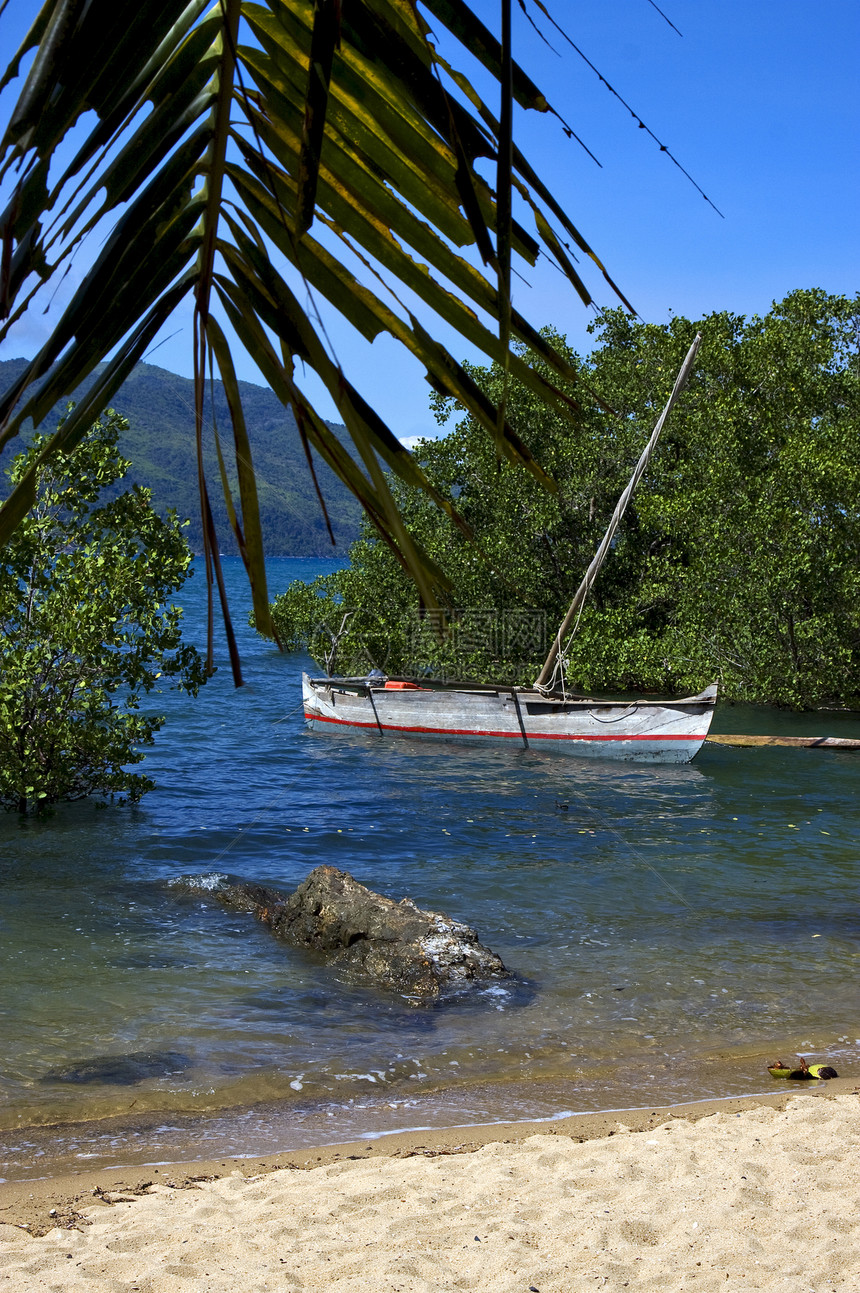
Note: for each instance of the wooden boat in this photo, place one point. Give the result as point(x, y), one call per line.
point(640, 730)
point(541, 716)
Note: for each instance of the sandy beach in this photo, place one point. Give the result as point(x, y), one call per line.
point(764, 1192)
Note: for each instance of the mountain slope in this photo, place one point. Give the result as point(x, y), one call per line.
point(159, 406)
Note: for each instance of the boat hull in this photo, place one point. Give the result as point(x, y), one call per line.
point(638, 731)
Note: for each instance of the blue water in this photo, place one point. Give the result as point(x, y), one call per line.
point(671, 929)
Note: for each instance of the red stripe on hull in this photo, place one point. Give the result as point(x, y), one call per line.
point(514, 736)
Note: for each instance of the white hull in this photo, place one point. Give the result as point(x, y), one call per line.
point(641, 730)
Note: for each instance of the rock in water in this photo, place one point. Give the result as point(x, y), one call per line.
point(396, 944)
point(121, 1070)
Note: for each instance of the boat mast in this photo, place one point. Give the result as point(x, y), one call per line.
point(620, 507)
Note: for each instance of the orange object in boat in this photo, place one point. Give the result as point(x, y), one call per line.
point(402, 686)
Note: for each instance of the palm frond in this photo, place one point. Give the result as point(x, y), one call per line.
point(237, 156)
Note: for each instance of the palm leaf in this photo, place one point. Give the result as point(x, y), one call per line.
point(241, 154)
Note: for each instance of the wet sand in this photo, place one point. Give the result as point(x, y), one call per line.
point(763, 1191)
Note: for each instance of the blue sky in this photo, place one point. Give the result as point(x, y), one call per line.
point(757, 101)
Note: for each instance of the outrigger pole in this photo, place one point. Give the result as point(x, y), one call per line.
point(591, 573)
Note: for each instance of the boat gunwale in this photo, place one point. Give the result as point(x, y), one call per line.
point(706, 698)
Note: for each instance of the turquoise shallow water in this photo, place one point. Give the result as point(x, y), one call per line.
point(671, 929)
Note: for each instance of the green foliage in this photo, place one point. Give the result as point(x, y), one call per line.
point(752, 506)
point(506, 588)
point(86, 628)
point(739, 558)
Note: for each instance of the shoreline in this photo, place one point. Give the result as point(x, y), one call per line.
point(38, 1205)
point(141, 1135)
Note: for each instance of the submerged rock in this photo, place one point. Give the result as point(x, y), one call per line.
point(395, 944)
point(121, 1070)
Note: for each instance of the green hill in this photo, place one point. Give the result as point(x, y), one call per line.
point(159, 406)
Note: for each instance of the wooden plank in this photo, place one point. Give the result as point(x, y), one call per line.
point(797, 742)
